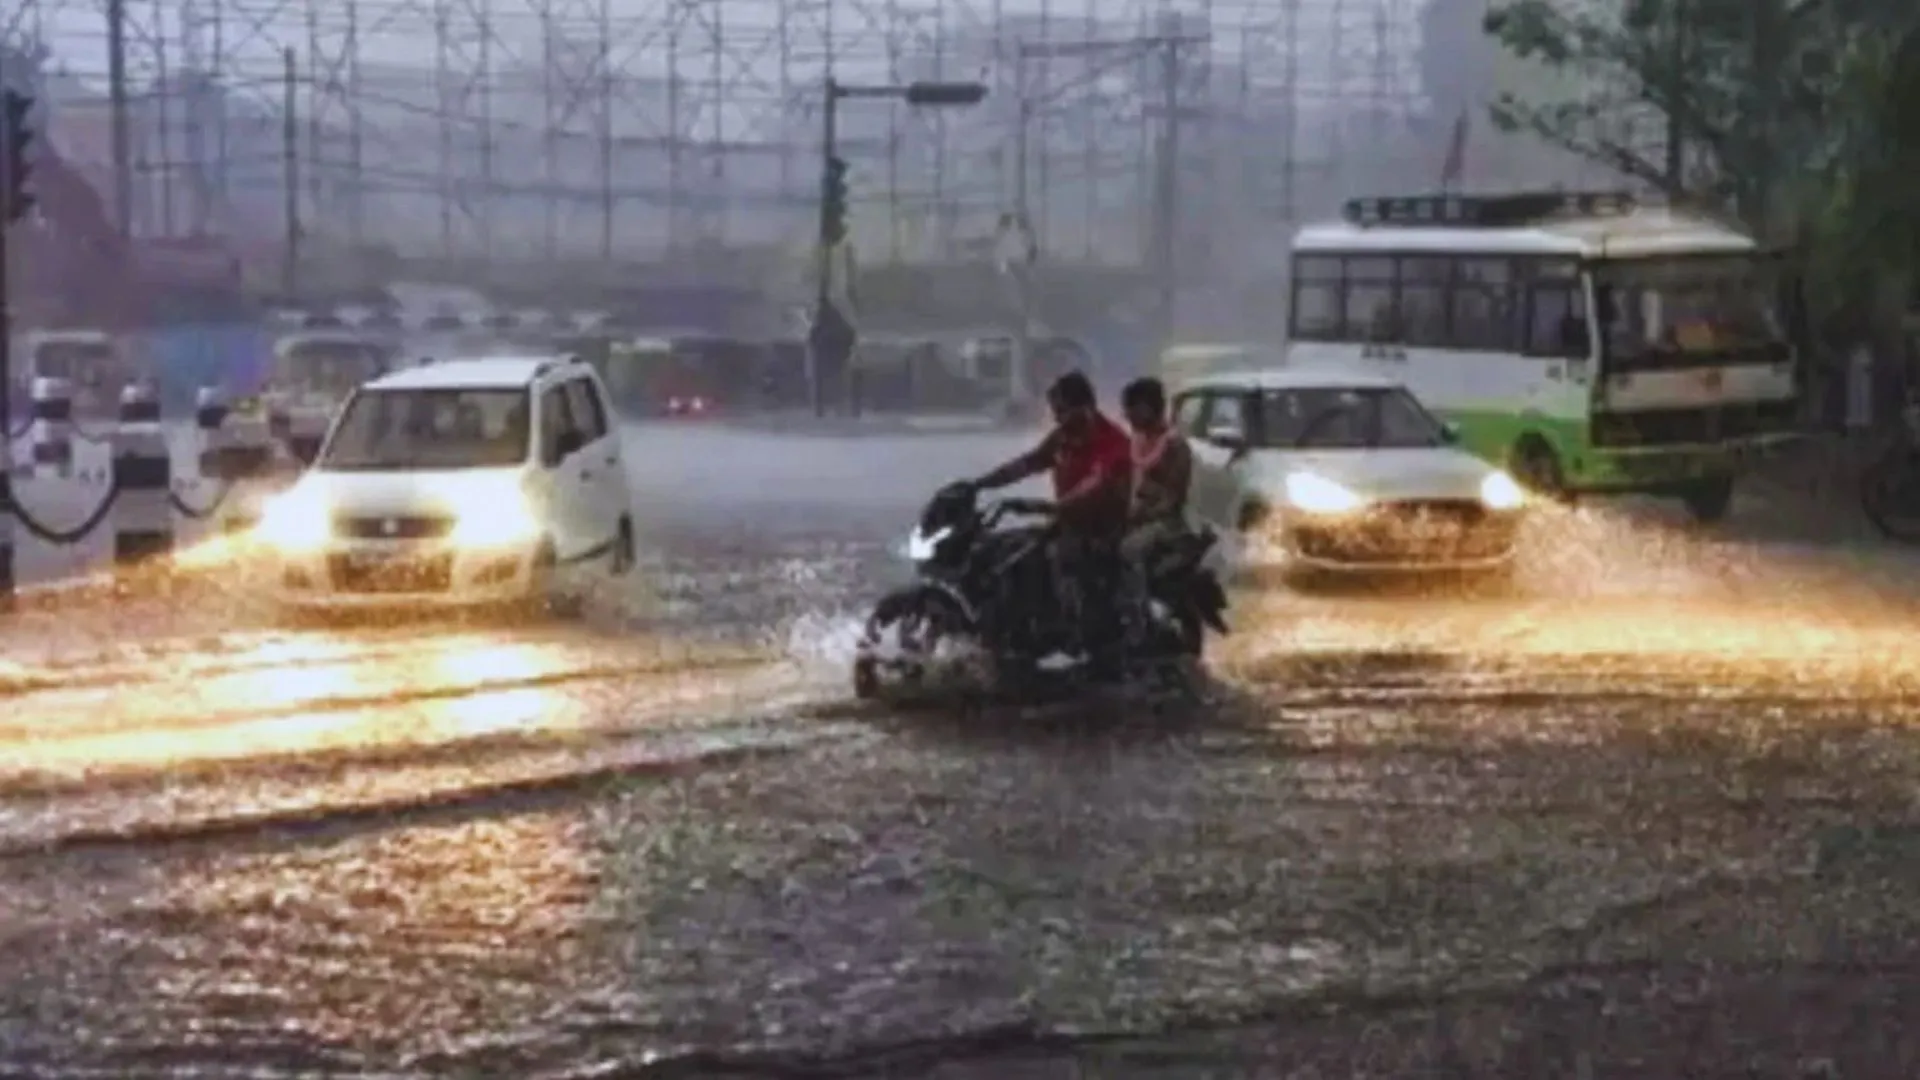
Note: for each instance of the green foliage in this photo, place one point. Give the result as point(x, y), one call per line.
point(1795, 115)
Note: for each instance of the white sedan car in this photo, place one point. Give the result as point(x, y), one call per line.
point(1343, 471)
point(473, 481)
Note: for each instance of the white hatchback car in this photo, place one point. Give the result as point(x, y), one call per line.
point(470, 481)
point(1343, 471)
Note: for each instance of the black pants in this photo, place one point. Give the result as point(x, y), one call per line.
point(1086, 585)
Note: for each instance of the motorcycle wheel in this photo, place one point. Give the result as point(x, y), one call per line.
point(1890, 495)
point(920, 619)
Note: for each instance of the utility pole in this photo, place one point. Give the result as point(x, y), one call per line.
point(1167, 168)
point(1166, 213)
point(1676, 164)
point(290, 170)
point(117, 105)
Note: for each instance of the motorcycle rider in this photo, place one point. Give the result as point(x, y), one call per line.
point(1090, 460)
point(1162, 474)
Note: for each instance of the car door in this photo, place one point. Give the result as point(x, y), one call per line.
point(1228, 427)
point(561, 476)
point(603, 482)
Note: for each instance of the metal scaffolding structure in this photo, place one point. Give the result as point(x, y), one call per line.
point(627, 129)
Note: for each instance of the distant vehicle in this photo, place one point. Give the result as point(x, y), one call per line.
point(97, 364)
point(1344, 471)
point(469, 481)
point(313, 373)
point(1587, 343)
point(688, 375)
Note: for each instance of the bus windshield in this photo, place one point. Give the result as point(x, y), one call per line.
point(1663, 311)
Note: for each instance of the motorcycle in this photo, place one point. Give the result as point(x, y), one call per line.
point(1890, 488)
point(984, 592)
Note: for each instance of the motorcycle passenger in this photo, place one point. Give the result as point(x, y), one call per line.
point(1090, 461)
point(1162, 474)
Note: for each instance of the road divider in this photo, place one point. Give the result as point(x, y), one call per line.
point(138, 493)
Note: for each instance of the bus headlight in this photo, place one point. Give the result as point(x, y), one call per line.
point(1316, 494)
point(1499, 492)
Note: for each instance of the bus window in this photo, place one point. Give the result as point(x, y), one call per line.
point(1483, 315)
point(1316, 299)
point(1423, 300)
point(1557, 321)
point(1368, 310)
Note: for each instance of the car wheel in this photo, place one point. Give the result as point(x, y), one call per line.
point(624, 554)
point(1708, 500)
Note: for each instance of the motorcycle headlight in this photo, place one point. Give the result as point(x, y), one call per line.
point(296, 521)
point(1499, 492)
point(1315, 494)
point(923, 546)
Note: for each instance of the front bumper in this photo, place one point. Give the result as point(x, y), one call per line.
point(348, 574)
point(1431, 535)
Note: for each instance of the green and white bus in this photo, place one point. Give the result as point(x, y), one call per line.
point(1588, 343)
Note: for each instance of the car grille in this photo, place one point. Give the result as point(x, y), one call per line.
point(1679, 427)
point(405, 574)
point(1414, 531)
point(394, 527)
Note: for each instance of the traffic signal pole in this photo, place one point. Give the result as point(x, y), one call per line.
point(838, 334)
point(823, 255)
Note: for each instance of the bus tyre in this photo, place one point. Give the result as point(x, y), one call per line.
point(1709, 499)
point(1534, 464)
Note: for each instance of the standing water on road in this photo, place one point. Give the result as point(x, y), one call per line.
point(240, 844)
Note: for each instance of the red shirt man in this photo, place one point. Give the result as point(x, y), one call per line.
point(1089, 456)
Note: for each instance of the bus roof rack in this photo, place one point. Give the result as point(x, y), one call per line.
point(1486, 211)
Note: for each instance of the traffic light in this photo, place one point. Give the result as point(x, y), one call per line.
point(14, 167)
point(833, 203)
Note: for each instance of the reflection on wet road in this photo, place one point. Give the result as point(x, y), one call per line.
point(1360, 744)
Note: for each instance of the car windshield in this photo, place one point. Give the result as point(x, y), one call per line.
point(430, 429)
point(1673, 307)
point(1346, 418)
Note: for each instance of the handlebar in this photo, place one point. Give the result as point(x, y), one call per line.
point(997, 511)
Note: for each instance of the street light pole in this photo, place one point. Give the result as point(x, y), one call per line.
point(832, 332)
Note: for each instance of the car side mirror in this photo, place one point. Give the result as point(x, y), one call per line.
point(1230, 440)
point(1450, 433)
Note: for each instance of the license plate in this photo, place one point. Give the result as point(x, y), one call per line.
point(370, 560)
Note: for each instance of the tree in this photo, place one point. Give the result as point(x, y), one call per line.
point(1716, 100)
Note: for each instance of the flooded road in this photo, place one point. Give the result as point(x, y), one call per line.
point(232, 845)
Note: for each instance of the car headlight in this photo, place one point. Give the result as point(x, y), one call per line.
point(504, 519)
point(1500, 492)
point(1316, 494)
point(295, 521)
